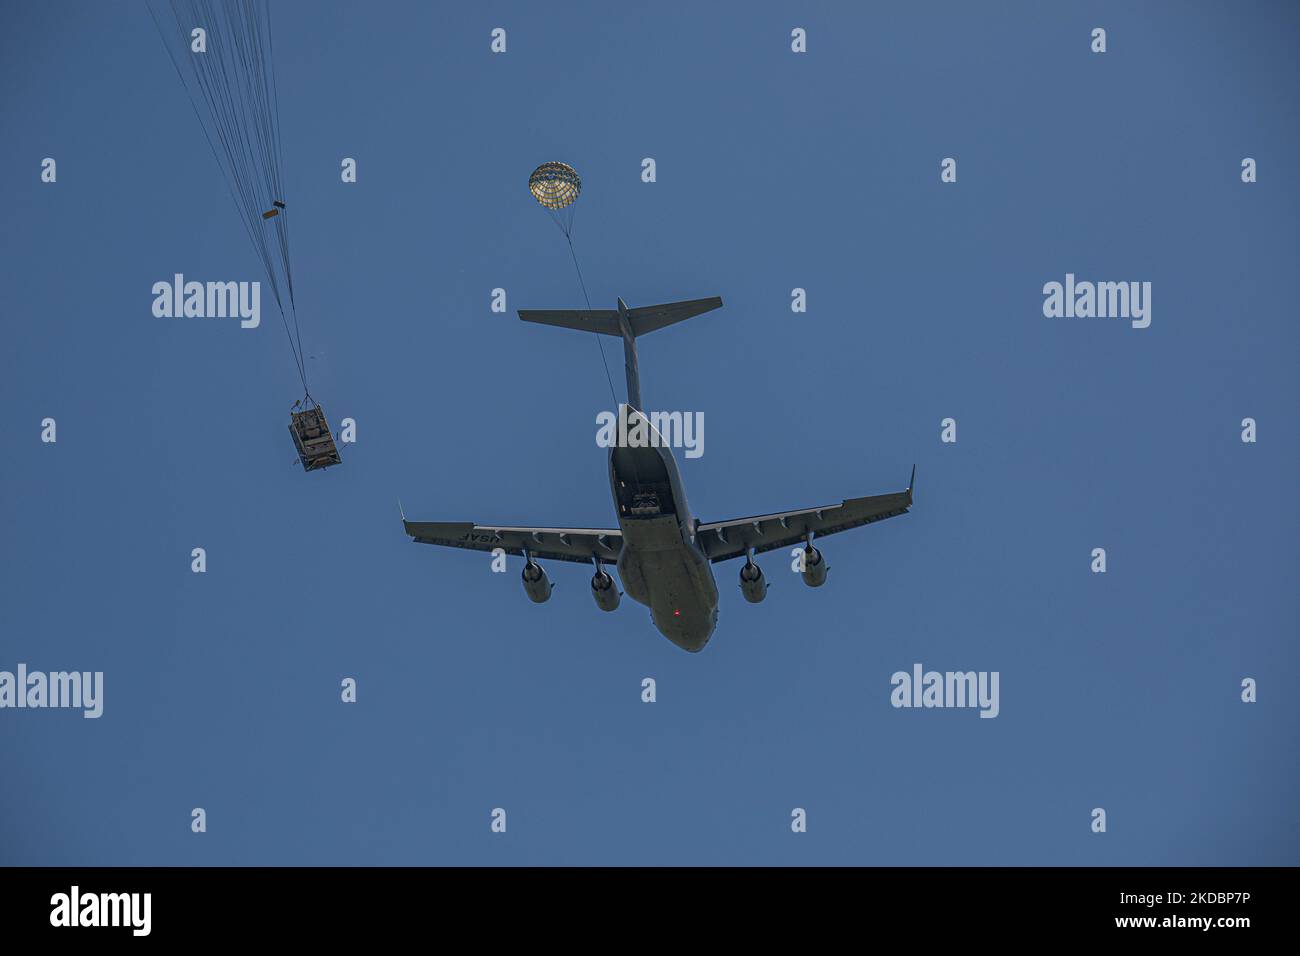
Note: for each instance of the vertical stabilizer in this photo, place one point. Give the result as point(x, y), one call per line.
point(630, 367)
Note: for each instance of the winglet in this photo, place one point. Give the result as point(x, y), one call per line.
point(911, 481)
point(400, 511)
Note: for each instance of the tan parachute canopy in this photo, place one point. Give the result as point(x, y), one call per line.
point(556, 187)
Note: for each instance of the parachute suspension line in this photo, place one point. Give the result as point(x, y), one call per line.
point(587, 299)
point(235, 78)
point(601, 345)
point(556, 187)
point(271, 115)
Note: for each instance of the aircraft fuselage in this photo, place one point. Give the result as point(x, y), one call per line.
point(661, 566)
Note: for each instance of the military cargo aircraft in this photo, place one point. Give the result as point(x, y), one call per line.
point(662, 551)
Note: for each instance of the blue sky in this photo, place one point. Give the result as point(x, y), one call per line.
point(774, 171)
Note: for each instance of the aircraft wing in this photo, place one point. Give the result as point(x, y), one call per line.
point(557, 544)
point(723, 540)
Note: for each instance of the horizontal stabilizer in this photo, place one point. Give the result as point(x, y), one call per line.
point(652, 318)
point(642, 321)
point(604, 321)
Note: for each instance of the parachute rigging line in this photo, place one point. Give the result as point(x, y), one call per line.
point(556, 187)
point(235, 80)
point(609, 378)
point(601, 345)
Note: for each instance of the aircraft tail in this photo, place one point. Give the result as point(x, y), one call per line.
point(652, 318)
point(625, 323)
point(642, 321)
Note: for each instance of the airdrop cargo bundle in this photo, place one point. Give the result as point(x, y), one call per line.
point(222, 53)
point(311, 436)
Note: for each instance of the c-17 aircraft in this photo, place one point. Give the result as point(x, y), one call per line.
point(663, 553)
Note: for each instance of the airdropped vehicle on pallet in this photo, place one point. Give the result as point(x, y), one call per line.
point(222, 55)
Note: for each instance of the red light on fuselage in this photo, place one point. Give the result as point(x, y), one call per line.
point(677, 612)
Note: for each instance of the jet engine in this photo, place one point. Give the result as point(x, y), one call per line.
point(814, 567)
point(604, 591)
point(752, 583)
point(536, 584)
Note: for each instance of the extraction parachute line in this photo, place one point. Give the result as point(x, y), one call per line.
point(556, 187)
point(613, 394)
point(234, 79)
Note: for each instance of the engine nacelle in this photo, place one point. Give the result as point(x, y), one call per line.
point(814, 567)
point(752, 583)
point(536, 584)
point(604, 591)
